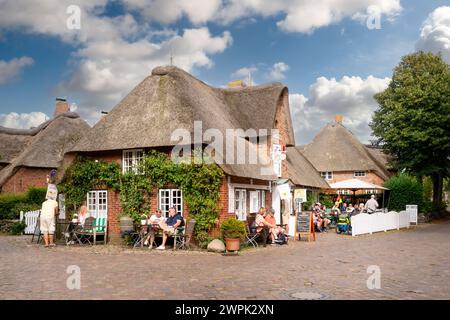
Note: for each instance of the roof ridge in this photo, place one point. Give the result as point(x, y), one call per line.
point(35, 130)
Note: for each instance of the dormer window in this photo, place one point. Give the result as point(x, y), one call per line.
point(327, 175)
point(359, 174)
point(131, 160)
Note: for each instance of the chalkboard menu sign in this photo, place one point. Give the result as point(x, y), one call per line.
point(304, 222)
point(304, 226)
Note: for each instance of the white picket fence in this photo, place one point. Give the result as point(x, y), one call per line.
point(30, 218)
point(364, 223)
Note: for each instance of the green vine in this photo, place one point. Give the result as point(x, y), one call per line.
point(200, 184)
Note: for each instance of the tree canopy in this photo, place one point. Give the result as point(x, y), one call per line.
point(413, 120)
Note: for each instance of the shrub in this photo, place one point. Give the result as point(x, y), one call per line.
point(327, 200)
point(233, 228)
point(36, 195)
point(404, 189)
point(17, 228)
point(8, 202)
point(12, 204)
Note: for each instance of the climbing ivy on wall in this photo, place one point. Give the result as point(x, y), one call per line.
point(200, 183)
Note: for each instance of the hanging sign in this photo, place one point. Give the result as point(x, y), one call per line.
point(52, 192)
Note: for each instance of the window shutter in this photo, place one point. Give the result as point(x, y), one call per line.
point(231, 199)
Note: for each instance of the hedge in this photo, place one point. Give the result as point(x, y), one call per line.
point(12, 204)
point(404, 189)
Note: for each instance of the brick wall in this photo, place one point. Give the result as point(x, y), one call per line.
point(26, 177)
point(370, 177)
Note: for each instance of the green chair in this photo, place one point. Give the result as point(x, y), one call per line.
point(100, 229)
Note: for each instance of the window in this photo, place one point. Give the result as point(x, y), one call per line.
point(170, 198)
point(97, 203)
point(328, 175)
point(240, 197)
point(372, 191)
point(131, 160)
point(359, 174)
point(257, 200)
point(344, 192)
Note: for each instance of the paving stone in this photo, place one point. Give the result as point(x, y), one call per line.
point(413, 264)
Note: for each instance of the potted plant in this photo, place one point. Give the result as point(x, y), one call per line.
point(233, 231)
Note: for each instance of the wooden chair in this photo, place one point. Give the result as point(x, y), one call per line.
point(100, 229)
point(252, 235)
point(182, 238)
point(86, 232)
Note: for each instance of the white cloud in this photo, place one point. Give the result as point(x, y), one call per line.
point(351, 97)
point(305, 15)
point(244, 72)
point(435, 33)
point(22, 120)
point(277, 71)
point(10, 70)
point(110, 69)
point(113, 54)
point(197, 11)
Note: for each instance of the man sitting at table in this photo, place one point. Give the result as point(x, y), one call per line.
point(153, 227)
point(169, 227)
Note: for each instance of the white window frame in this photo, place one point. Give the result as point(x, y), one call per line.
point(327, 175)
point(172, 196)
point(357, 174)
point(93, 203)
point(344, 192)
point(242, 199)
point(135, 160)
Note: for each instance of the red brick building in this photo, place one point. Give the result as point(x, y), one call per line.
point(151, 116)
point(338, 155)
point(28, 156)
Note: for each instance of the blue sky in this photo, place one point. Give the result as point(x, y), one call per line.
point(332, 63)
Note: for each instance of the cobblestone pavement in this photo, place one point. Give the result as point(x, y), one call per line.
point(414, 264)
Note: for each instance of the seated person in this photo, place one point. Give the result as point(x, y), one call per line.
point(170, 226)
point(320, 219)
point(272, 224)
point(350, 209)
point(153, 227)
point(260, 219)
point(83, 214)
point(361, 208)
point(335, 211)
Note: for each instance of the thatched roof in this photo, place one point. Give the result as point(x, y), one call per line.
point(11, 146)
point(171, 99)
point(335, 148)
point(379, 155)
point(42, 147)
point(302, 172)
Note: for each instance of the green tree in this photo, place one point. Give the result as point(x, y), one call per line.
point(413, 120)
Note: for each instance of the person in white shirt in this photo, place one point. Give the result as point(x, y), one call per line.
point(47, 221)
point(83, 214)
point(153, 227)
point(371, 204)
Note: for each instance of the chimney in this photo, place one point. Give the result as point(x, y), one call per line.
point(61, 106)
point(338, 119)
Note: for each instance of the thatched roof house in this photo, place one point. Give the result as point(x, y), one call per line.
point(336, 150)
point(39, 149)
point(171, 99)
point(301, 172)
